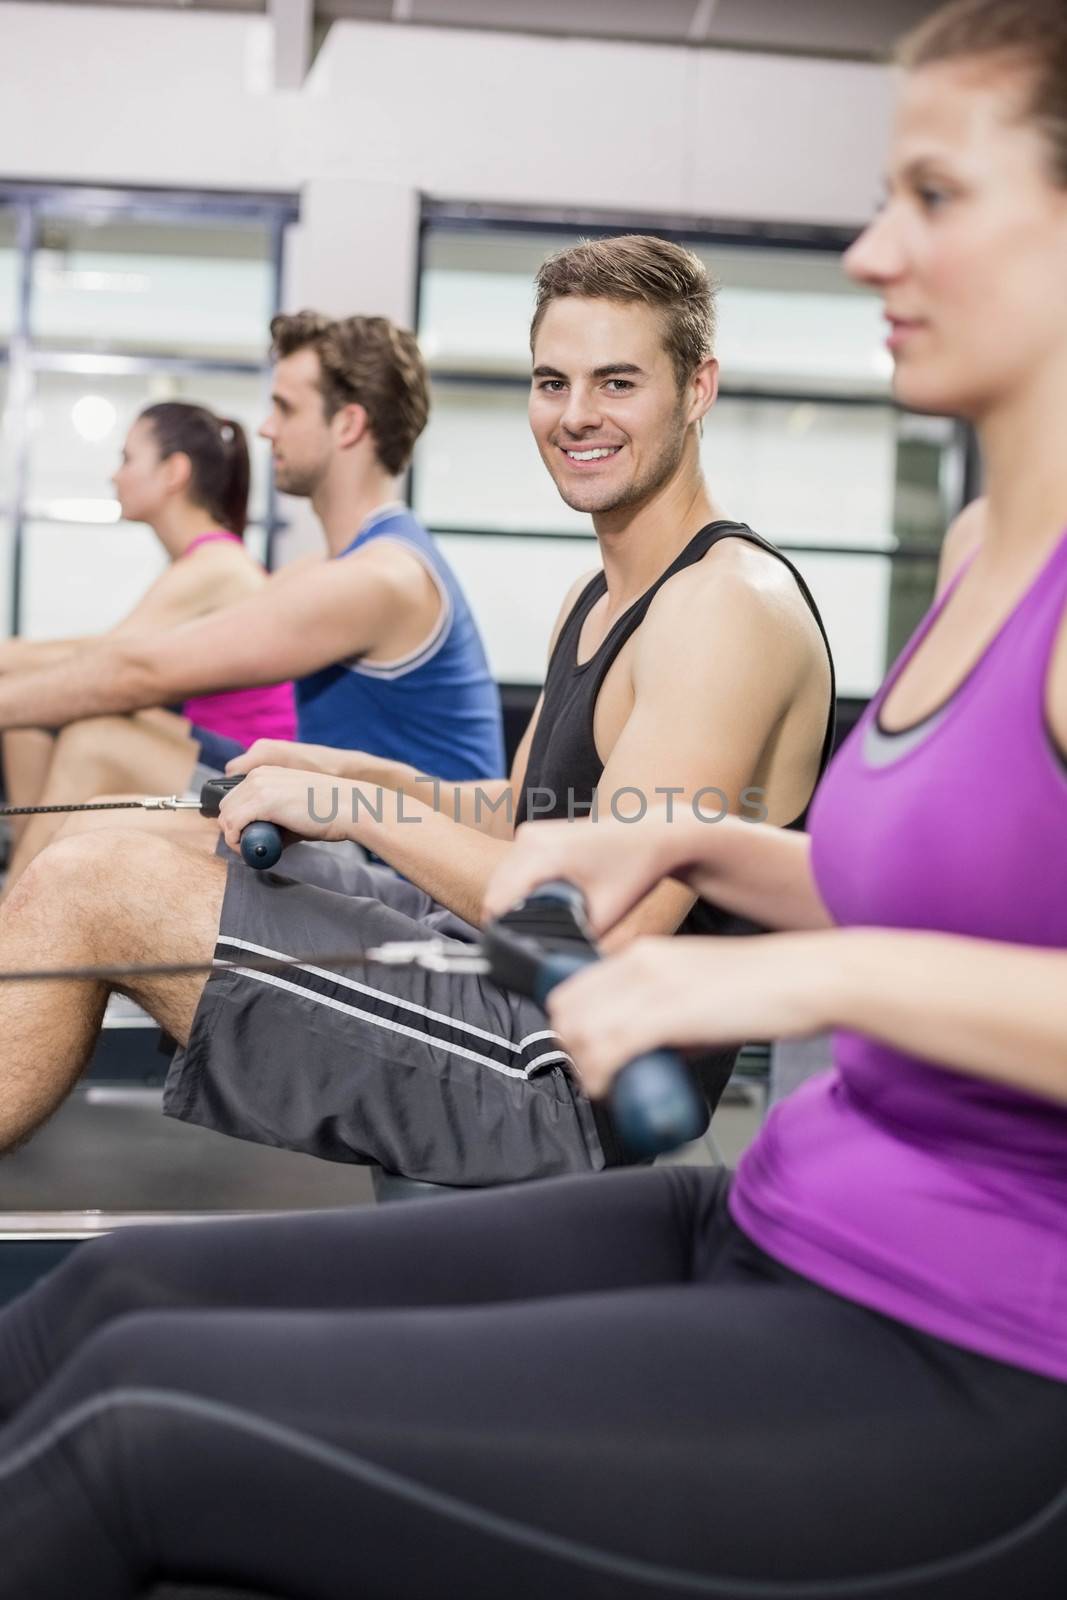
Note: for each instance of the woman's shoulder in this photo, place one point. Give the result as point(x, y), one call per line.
point(232, 552)
point(220, 573)
point(963, 538)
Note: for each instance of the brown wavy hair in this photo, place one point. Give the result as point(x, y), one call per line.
point(366, 361)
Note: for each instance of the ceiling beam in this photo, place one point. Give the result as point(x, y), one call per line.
point(701, 20)
point(291, 23)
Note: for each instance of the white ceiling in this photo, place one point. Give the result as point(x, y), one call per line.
point(863, 28)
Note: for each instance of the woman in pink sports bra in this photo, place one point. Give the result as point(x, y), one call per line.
point(184, 472)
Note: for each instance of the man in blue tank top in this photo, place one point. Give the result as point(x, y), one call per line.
point(694, 665)
point(375, 630)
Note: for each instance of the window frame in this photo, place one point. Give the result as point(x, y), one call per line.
point(34, 203)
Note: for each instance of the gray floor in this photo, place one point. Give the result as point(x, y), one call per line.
point(110, 1149)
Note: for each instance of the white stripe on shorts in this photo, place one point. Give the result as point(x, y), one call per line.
point(408, 1005)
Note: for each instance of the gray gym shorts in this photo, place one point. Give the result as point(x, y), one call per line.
point(437, 1076)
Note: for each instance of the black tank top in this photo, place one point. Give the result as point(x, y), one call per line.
point(564, 766)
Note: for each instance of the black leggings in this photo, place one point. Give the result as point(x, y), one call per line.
point(593, 1387)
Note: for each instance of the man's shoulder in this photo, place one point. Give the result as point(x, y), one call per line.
point(392, 561)
point(308, 562)
point(391, 523)
point(738, 604)
point(391, 539)
point(734, 571)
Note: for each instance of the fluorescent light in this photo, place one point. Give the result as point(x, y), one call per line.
point(79, 510)
point(93, 417)
point(93, 281)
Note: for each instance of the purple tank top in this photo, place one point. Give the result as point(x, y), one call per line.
point(266, 711)
point(936, 1198)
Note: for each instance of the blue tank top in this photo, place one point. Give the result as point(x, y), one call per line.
point(437, 708)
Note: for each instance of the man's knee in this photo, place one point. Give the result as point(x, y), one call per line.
point(65, 874)
point(88, 873)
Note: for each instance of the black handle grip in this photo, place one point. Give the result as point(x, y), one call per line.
point(261, 842)
point(562, 893)
point(261, 845)
point(654, 1102)
point(655, 1106)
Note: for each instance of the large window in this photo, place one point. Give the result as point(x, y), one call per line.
point(187, 288)
point(804, 443)
point(110, 300)
point(8, 273)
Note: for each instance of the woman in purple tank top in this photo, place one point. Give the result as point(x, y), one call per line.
point(919, 1188)
point(185, 473)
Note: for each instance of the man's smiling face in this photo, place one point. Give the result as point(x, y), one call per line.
point(605, 407)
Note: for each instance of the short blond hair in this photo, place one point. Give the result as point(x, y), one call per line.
point(368, 361)
point(638, 267)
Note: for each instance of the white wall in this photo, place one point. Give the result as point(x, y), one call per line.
point(161, 97)
point(94, 94)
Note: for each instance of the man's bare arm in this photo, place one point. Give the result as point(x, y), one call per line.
point(182, 592)
point(30, 655)
point(723, 638)
point(716, 635)
point(488, 805)
point(329, 613)
point(485, 804)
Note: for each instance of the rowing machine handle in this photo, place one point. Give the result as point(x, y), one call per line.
point(654, 1102)
point(261, 842)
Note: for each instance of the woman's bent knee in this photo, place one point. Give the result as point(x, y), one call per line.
point(88, 736)
point(104, 1279)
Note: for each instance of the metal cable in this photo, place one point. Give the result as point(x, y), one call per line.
point(87, 805)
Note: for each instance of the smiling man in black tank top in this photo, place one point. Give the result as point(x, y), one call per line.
point(693, 666)
point(673, 669)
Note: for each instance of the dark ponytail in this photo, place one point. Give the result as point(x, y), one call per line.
point(218, 457)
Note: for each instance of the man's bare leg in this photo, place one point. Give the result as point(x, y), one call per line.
point(27, 755)
point(102, 899)
point(151, 754)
